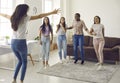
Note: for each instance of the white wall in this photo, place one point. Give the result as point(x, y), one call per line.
point(108, 10)
point(65, 9)
point(33, 27)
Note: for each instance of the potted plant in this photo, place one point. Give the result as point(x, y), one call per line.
point(6, 39)
point(37, 38)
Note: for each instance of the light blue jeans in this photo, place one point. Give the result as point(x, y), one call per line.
point(45, 47)
point(19, 48)
point(62, 44)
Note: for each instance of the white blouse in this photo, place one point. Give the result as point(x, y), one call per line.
point(21, 32)
point(98, 29)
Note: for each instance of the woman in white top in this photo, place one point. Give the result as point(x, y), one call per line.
point(97, 31)
point(19, 20)
point(61, 38)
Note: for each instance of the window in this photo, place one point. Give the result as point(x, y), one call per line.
point(49, 5)
point(5, 26)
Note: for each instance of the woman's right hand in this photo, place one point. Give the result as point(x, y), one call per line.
point(93, 33)
point(61, 24)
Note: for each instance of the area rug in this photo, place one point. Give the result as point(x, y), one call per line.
point(87, 72)
point(4, 50)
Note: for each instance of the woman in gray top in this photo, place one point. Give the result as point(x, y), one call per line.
point(61, 38)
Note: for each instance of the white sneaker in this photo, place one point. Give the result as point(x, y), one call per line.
point(100, 67)
point(61, 61)
point(46, 66)
point(41, 68)
point(14, 82)
point(66, 61)
point(97, 64)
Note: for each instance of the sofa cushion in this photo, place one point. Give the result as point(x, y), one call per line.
point(111, 42)
point(86, 40)
point(91, 41)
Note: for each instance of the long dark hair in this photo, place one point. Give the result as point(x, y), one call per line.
point(43, 25)
point(64, 24)
point(98, 18)
point(19, 13)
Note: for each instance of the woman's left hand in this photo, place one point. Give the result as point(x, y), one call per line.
point(55, 11)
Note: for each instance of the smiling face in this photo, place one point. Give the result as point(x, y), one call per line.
point(62, 20)
point(96, 20)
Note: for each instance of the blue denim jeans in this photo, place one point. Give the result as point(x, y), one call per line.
point(19, 48)
point(45, 48)
point(78, 42)
point(62, 44)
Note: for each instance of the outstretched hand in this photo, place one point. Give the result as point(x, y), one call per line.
point(55, 11)
point(5, 15)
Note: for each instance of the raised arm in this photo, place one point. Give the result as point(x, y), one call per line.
point(5, 15)
point(44, 14)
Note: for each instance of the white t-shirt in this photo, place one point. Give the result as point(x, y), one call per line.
point(98, 29)
point(21, 32)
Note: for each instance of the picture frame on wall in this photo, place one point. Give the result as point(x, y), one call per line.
point(34, 10)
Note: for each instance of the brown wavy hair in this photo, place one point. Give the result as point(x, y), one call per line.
point(19, 13)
